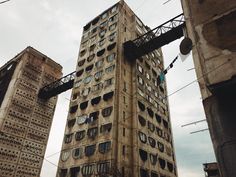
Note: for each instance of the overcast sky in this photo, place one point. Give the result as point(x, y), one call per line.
point(54, 27)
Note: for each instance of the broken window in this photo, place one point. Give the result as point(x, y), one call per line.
point(65, 154)
point(98, 75)
point(90, 150)
point(81, 119)
point(142, 121)
point(92, 132)
point(107, 111)
point(88, 169)
point(87, 79)
point(68, 138)
point(141, 106)
point(142, 137)
point(84, 105)
point(77, 153)
point(79, 73)
point(143, 155)
point(153, 159)
point(81, 63)
point(79, 135)
point(111, 57)
point(152, 142)
point(73, 109)
point(108, 96)
point(96, 100)
point(71, 123)
point(150, 112)
point(103, 167)
point(111, 46)
point(162, 163)
point(104, 147)
point(144, 173)
point(106, 128)
point(74, 171)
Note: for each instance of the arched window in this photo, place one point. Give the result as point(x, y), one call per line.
point(77, 153)
point(165, 123)
point(99, 63)
point(160, 146)
point(87, 79)
point(89, 68)
point(111, 57)
point(98, 75)
point(151, 126)
point(159, 132)
point(79, 73)
point(82, 53)
point(90, 58)
point(73, 109)
point(158, 118)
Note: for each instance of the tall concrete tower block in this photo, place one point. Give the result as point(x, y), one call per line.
point(212, 27)
point(25, 120)
point(118, 122)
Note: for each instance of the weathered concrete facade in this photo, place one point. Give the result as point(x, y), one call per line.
point(25, 120)
point(118, 122)
point(212, 26)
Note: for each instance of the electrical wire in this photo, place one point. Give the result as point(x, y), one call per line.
point(4, 1)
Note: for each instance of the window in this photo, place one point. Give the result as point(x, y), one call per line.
point(96, 100)
point(68, 138)
point(113, 18)
point(102, 42)
point(123, 150)
point(158, 118)
point(124, 89)
point(94, 30)
point(114, 9)
point(107, 111)
point(94, 22)
point(152, 142)
point(160, 146)
point(101, 52)
point(75, 96)
point(111, 57)
point(82, 53)
point(140, 92)
point(106, 128)
point(74, 171)
point(142, 137)
point(84, 105)
point(81, 63)
point(85, 35)
point(93, 117)
point(102, 33)
point(92, 38)
point(149, 88)
point(151, 126)
point(108, 96)
point(63, 173)
point(162, 163)
point(159, 132)
point(98, 75)
point(89, 68)
point(143, 155)
point(110, 69)
point(112, 27)
point(140, 69)
point(123, 131)
point(142, 121)
point(71, 123)
point(77, 153)
point(147, 65)
point(104, 15)
point(99, 63)
point(111, 46)
point(84, 44)
point(92, 132)
point(148, 76)
point(90, 58)
point(170, 166)
point(112, 37)
point(87, 169)
point(78, 83)
point(81, 119)
point(80, 135)
point(104, 147)
point(97, 87)
point(150, 112)
point(85, 92)
point(141, 106)
point(65, 154)
point(103, 24)
point(73, 109)
point(86, 27)
point(92, 47)
point(87, 79)
point(108, 82)
point(144, 173)
point(153, 159)
point(165, 123)
point(79, 73)
point(140, 80)
point(103, 167)
point(154, 174)
point(90, 150)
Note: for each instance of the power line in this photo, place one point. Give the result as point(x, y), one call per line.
point(4, 1)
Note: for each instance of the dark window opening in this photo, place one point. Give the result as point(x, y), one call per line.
point(96, 100)
point(108, 96)
point(68, 138)
point(106, 128)
point(144, 173)
point(74, 171)
point(160, 146)
point(101, 52)
point(162, 163)
point(71, 123)
point(150, 112)
point(81, 119)
point(147, 65)
point(73, 109)
point(161, 89)
point(154, 174)
point(94, 30)
point(90, 150)
point(79, 73)
point(143, 155)
point(81, 63)
point(93, 117)
point(142, 121)
point(94, 22)
point(154, 73)
point(92, 132)
point(153, 159)
point(63, 172)
point(103, 168)
point(111, 46)
point(84, 105)
point(165, 123)
point(170, 166)
point(158, 118)
point(142, 137)
point(104, 147)
point(107, 111)
point(82, 53)
point(92, 47)
point(152, 142)
point(141, 106)
point(159, 132)
point(123, 150)
point(89, 68)
point(86, 27)
point(151, 126)
point(90, 58)
point(79, 135)
point(87, 170)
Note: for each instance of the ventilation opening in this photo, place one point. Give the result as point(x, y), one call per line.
point(144, 173)
point(170, 166)
point(73, 109)
point(150, 112)
point(79, 73)
point(158, 118)
point(94, 22)
point(89, 68)
point(86, 27)
point(143, 155)
point(108, 96)
point(71, 123)
point(74, 171)
point(152, 142)
point(80, 135)
point(101, 52)
point(111, 46)
point(84, 105)
point(162, 163)
point(96, 100)
point(141, 106)
point(142, 121)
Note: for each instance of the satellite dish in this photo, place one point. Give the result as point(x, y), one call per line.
point(186, 46)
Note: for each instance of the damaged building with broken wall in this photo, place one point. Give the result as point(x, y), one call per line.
point(211, 24)
point(25, 120)
point(118, 122)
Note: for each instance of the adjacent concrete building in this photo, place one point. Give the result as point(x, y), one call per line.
point(211, 25)
point(118, 122)
point(25, 120)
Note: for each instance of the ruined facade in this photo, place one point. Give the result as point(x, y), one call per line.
point(118, 122)
point(212, 27)
point(25, 120)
